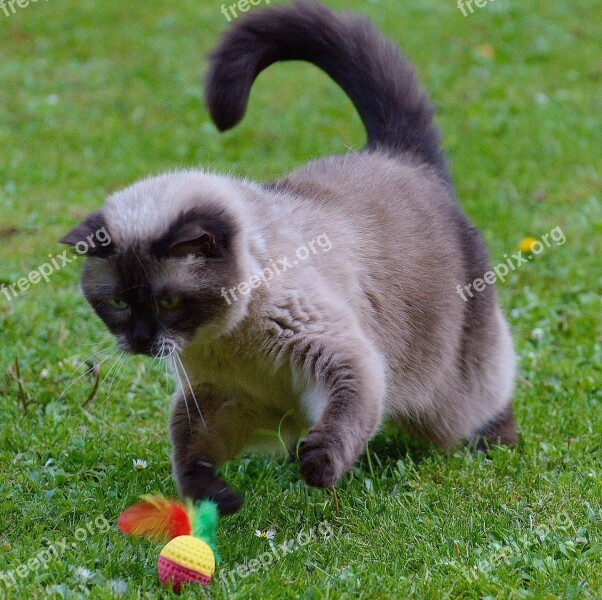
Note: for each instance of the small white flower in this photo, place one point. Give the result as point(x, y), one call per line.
point(119, 587)
point(83, 573)
point(538, 334)
point(266, 534)
point(139, 464)
point(44, 373)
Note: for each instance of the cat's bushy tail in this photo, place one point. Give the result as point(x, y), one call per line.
point(380, 82)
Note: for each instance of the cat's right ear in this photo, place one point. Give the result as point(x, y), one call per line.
point(91, 237)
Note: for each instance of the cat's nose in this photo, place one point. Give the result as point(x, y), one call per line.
point(140, 344)
point(141, 338)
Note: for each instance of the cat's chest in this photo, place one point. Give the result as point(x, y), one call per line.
point(234, 373)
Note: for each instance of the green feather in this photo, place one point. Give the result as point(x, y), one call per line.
point(204, 525)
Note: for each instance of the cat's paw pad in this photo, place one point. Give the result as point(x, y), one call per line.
point(320, 462)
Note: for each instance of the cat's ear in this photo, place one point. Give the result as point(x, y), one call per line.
point(90, 237)
point(192, 241)
point(194, 234)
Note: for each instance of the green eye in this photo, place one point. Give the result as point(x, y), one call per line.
point(169, 303)
point(118, 304)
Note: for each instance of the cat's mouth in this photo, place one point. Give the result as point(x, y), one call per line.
point(162, 348)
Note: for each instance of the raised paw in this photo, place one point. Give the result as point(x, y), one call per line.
point(321, 463)
point(198, 481)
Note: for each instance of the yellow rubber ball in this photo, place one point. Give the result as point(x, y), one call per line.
point(192, 553)
point(186, 560)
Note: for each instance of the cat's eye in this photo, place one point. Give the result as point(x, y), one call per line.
point(118, 304)
point(169, 303)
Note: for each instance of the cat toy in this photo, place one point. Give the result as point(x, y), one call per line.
point(190, 555)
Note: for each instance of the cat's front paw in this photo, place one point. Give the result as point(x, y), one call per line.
point(228, 501)
point(198, 481)
point(320, 460)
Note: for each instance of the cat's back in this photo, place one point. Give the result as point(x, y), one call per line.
point(383, 216)
point(370, 178)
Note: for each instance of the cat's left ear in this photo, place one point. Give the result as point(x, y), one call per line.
point(90, 237)
point(194, 234)
point(192, 241)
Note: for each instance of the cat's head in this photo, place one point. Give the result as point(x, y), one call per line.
point(159, 255)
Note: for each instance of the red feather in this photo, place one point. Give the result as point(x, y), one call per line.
point(156, 518)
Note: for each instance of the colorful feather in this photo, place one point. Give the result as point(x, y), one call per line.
point(157, 519)
point(204, 524)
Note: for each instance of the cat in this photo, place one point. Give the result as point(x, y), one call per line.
point(321, 350)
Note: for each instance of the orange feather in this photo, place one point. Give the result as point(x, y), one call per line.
point(156, 518)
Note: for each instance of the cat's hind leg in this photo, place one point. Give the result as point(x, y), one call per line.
point(500, 430)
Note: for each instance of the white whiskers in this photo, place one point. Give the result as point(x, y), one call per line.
point(175, 370)
point(119, 371)
point(178, 363)
point(166, 350)
point(89, 369)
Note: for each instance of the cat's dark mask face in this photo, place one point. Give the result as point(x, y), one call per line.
point(156, 295)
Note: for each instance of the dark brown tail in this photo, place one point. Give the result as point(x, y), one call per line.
point(381, 84)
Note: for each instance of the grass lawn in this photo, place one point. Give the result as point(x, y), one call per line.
point(94, 95)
